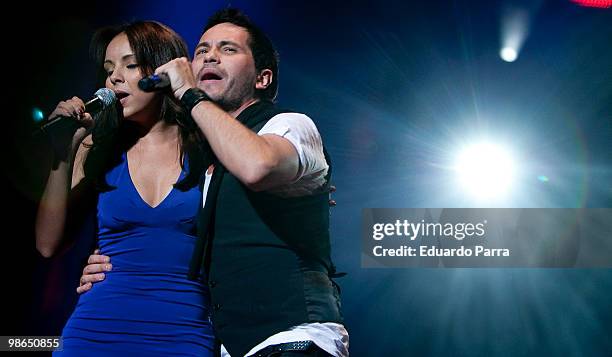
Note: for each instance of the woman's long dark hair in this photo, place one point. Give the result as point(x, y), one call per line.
point(153, 45)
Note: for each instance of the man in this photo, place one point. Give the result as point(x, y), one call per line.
point(264, 231)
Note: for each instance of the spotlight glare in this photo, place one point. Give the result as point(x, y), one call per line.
point(485, 170)
point(508, 54)
point(514, 30)
point(37, 115)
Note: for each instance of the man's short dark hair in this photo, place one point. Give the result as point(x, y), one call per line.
point(264, 54)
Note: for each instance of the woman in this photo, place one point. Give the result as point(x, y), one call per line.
point(141, 164)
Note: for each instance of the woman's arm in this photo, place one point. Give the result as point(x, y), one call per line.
point(65, 176)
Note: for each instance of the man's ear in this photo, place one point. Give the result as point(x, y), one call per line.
point(264, 79)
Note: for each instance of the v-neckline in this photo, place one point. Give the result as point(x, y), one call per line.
point(166, 196)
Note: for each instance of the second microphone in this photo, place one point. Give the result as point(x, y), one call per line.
point(154, 82)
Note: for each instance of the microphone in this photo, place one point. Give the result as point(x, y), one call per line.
point(103, 99)
point(154, 82)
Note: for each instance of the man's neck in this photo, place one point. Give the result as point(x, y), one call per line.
point(245, 105)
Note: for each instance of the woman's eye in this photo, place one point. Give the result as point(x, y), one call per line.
point(132, 66)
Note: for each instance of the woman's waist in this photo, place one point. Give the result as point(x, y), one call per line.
point(152, 278)
point(165, 254)
point(144, 295)
point(125, 311)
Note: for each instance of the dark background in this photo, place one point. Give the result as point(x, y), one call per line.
point(394, 88)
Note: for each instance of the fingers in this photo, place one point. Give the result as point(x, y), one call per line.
point(78, 102)
point(180, 73)
point(97, 268)
point(97, 258)
point(86, 282)
point(83, 288)
point(87, 120)
point(73, 107)
point(91, 278)
point(181, 64)
point(77, 106)
point(94, 271)
point(62, 110)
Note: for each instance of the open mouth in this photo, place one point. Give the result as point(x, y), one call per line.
point(121, 95)
point(210, 77)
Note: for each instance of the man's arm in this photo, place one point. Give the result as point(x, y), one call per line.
point(259, 162)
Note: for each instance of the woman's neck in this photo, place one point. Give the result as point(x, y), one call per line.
point(158, 134)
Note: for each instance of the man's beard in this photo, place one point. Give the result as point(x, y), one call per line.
point(232, 99)
point(229, 105)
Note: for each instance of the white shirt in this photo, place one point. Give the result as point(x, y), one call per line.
point(301, 131)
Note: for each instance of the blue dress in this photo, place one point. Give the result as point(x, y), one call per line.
point(146, 306)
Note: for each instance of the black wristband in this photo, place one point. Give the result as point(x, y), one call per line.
point(193, 96)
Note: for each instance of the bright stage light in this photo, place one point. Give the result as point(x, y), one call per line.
point(485, 170)
point(508, 54)
point(37, 115)
point(514, 30)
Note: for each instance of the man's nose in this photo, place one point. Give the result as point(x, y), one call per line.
point(211, 56)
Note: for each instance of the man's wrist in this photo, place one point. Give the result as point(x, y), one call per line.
point(192, 97)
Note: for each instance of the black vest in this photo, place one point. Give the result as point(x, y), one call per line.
point(267, 257)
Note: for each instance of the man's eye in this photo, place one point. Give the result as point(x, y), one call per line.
point(201, 51)
point(229, 49)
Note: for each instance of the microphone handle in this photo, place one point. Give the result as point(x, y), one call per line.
point(154, 82)
point(95, 105)
point(58, 125)
point(63, 124)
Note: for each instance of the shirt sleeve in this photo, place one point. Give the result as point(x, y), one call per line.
point(302, 132)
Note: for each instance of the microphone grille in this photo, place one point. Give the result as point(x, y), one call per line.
point(107, 96)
